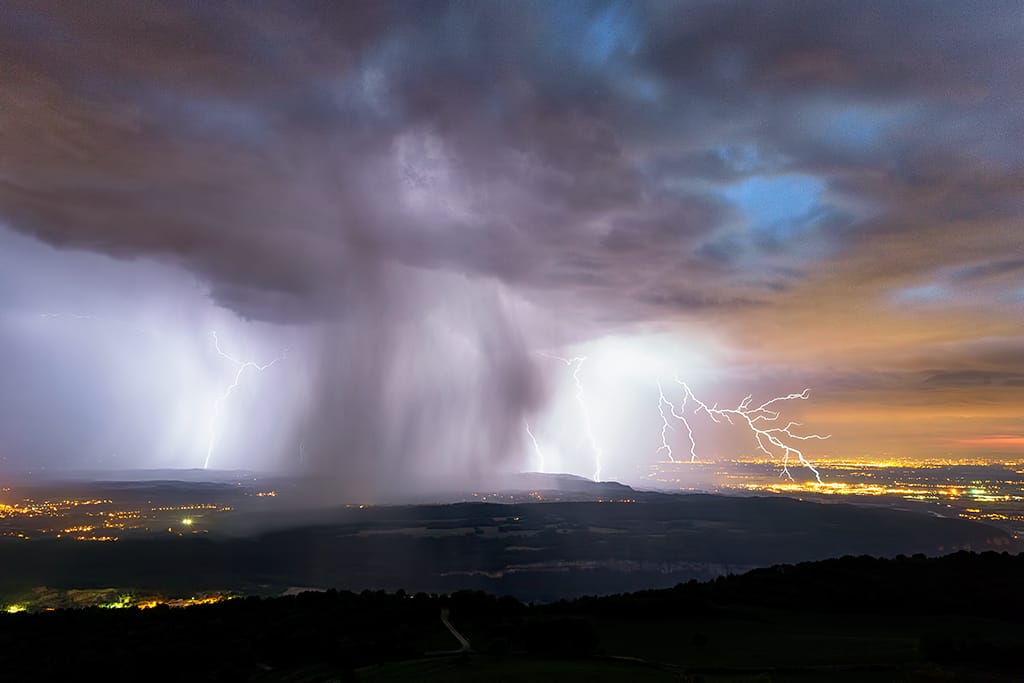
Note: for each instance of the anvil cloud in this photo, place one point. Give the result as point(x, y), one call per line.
point(417, 199)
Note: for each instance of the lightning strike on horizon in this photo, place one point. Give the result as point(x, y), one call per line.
point(536, 447)
point(584, 409)
point(218, 405)
point(665, 426)
point(751, 416)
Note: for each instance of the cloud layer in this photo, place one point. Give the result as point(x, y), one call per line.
point(432, 193)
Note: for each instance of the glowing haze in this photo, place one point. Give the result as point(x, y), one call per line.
point(398, 217)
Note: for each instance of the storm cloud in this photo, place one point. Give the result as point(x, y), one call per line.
point(418, 199)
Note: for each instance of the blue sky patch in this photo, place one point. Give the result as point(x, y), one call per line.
point(778, 207)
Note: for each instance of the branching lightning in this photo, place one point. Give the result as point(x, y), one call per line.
point(764, 435)
point(218, 406)
point(538, 453)
point(581, 399)
point(665, 426)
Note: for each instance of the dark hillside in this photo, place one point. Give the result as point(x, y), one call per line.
point(956, 617)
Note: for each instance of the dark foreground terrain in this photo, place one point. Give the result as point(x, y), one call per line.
point(954, 618)
point(540, 551)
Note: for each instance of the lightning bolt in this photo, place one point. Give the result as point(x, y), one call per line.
point(538, 453)
point(765, 436)
point(665, 426)
point(581, 399)
point(218, 406)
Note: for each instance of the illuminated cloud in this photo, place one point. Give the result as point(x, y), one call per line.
point(416, 200)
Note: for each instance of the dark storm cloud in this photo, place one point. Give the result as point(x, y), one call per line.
point(870, 48)
point(249, 144)
point(351, 165)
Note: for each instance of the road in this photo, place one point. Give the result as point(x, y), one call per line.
point(466, 647)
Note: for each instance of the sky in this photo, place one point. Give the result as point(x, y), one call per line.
point(365, 241)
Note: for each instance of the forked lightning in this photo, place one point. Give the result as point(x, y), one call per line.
point(581, 399)
point(218, 406)
point(766, 436)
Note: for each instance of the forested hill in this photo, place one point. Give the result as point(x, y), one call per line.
point(957, 617)
point(967, 583)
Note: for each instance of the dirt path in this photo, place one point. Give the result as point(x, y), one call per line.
point(466, 647)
